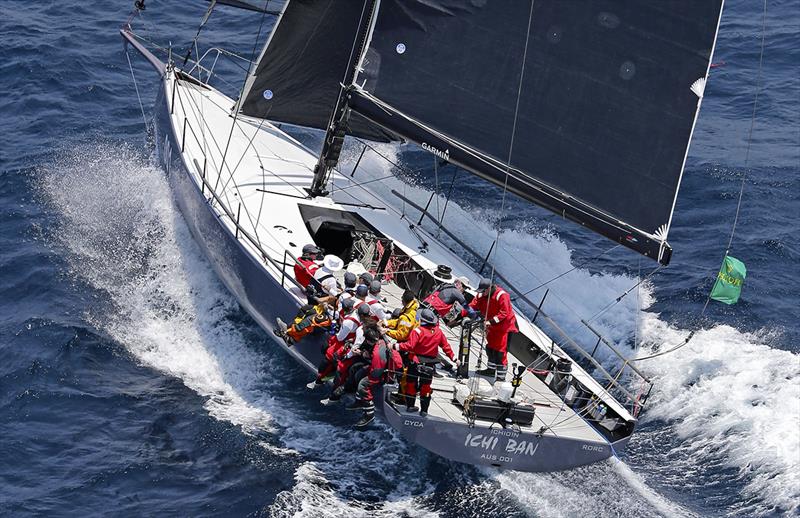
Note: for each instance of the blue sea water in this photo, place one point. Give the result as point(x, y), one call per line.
point(132, 383)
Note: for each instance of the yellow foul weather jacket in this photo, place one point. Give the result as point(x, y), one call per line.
point(401, 327)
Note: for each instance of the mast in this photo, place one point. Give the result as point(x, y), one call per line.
point(337, 126)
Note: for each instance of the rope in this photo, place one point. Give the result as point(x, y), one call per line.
point(136, 87)
point(741, 187)
point(624, 294)
point(752, 124)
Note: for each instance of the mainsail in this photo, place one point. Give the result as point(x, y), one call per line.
point(298, 76)
point(601, 97)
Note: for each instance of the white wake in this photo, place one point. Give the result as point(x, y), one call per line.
point(727, 397)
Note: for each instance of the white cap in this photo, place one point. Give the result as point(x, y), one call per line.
point(332, 263)
point(464, 281)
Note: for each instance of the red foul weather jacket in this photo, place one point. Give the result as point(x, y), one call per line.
point(496, 309)
point(426, 341)
point(304, 270)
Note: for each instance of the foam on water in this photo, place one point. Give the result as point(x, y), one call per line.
point(725, 396)
point(162, 301)
point(731, 399)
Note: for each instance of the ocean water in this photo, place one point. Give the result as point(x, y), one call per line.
point(132, 383)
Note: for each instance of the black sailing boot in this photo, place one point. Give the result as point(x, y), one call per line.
point(366, 419)
point(485, 372)
point(424, 403)
point(410, 406)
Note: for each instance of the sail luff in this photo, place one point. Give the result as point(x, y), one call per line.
point(694, 122)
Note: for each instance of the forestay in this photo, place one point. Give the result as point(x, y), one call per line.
point(609, 95)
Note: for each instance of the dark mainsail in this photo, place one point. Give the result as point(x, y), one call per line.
point(297, 79)
point(609, 94)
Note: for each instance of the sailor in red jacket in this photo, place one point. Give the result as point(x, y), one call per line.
point(423, 346)
point(306, 265)
point(384, 364)
point(494, 304)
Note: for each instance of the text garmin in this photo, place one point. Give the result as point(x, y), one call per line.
point(444, 155)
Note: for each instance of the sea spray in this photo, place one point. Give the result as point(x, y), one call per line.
point(158, 297)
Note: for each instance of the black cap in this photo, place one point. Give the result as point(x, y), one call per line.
point(363, 310)
point(375, 287)
point(371, 335)
point(427, 317)
point(350, 280)
point(347, 304)
point(361, 291)
point(366, 278)
point(485, 284)
point(310, 249)
point(408, 296)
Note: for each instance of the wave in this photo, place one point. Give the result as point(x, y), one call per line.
point(725, 396)
point(161, 301)
point(728, 398)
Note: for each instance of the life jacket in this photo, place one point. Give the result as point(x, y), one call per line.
point(370, 303)
point(497, 310)
point(436, 303)
point(385, 363)
point(304, 270)
point(317, 284)
point(352, 334)
point(426, 341)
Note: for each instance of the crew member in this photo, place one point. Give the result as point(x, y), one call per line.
point(494, 304)
point(365, 278)
point(308, 319)
point(349, 323)
point(423, 347)
point(384, 363)
point(349, 291)
point(375, 302)
point(445, 295)
point(325, 282)
point(306, 265)
point(350, 353)
point(405, 320)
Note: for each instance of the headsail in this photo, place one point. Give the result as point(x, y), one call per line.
point(608, 99)
point(298, 76)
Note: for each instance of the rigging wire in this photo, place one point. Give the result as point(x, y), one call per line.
point(136, 87)
point(576, 267)
point(741, 187)
point(241, 91)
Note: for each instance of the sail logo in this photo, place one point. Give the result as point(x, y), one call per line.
point(444, 155)
point(730, 279)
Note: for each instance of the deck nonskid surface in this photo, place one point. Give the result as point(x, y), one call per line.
point(551, 413)
point(266, 172)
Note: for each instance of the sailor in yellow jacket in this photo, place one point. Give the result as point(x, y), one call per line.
point(399, 328)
